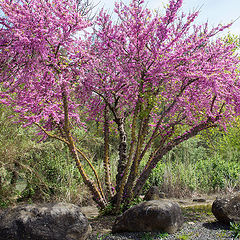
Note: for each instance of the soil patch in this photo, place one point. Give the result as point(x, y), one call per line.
point(199, 222)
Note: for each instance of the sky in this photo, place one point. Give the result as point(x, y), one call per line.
point(213, 11)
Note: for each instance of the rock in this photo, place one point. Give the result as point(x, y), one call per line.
point(227, 209)
point(150, 216)
point(90, 211)
point(199, 200)
point(59, 221)
point(154, 194)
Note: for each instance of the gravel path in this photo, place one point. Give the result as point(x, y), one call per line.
point(190, 230)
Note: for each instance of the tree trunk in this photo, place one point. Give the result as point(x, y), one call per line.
point(134, 172)
point(122, 152)
point(106, 163)
point(165, 149)
point(97, 193)
point(148, 169)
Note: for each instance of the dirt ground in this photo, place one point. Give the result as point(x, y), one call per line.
point(196, 208)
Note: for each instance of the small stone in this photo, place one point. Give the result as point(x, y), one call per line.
point(154, 194)
point(199, 200)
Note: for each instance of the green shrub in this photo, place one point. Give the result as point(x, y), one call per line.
point(31, 170)
point(197, 170)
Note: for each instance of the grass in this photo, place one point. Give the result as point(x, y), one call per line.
point(192, 167)
point(235, 228)
point(183, 237)
point(152, 236)
point(201, 212)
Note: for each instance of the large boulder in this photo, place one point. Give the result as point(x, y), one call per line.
point(156, 215)
point(59, 221)
point(227, 209)
point(153, 193)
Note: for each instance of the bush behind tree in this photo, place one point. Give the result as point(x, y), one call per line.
point(45, 170)
point(196, 169)
point(31, 171)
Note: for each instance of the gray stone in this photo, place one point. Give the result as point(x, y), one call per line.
point(154, 194)
point(150, 216)
point(60, 221)
point(227, 209)
point(199, 200)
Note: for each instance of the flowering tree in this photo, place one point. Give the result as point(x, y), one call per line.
point(165, 78)
point(160, 75)
point(42, 57)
